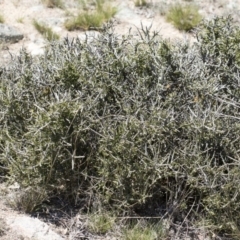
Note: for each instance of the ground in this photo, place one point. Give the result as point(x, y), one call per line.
point(20, 14)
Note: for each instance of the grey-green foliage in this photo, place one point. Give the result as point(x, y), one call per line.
point(130, 122)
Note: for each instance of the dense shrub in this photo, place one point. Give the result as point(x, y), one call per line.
point(130, 121)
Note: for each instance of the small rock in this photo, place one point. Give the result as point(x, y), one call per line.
point(36, 48)
point(14, 186)
point(37, 8)
point(54, 21)
point(9, 34)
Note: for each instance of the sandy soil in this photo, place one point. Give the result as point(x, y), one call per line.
point(20, 14)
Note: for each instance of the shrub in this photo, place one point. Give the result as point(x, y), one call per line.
point(46, 31)
point(183, 17)
point(130, 122)
point(92, 19)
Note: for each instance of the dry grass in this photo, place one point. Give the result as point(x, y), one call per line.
point(100, 223)
point(145, 231)
point(141, 3)
point(92, 19)
point(46, 31)
point(20, 20)
point(53, 3)
point(184, 17)
point(1, 19)
point(27, 200)
point(2, 227)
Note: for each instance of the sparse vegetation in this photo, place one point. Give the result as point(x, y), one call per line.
point(1, 19)
point(4, 45)
point(28, 200)
point(184, 17)
point(145, 231)
point(162, 7)
point(3, 228)
point(46, 31)
point(100, 223)
point(129, 125)
point(87, 19)
point(53, 3)
point(141, 3)
point(20, 20)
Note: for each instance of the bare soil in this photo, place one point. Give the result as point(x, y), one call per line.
point(20, 14)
